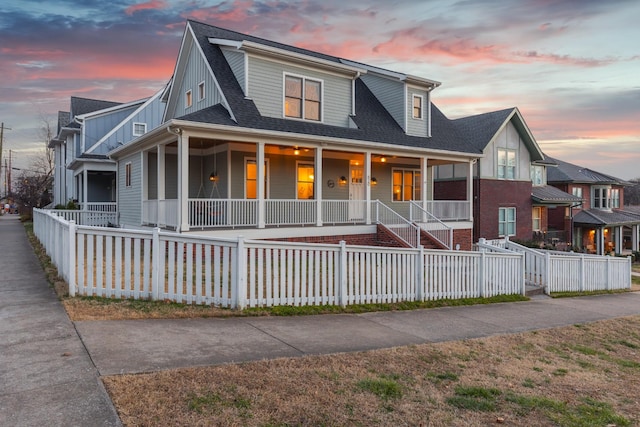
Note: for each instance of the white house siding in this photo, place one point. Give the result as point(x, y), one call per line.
point(266, 90)
point(418, 127)
point(390, 93)
point(151, 114)
point(129, 198)
point(236, 62)
point(510, 139)
point(196, 72)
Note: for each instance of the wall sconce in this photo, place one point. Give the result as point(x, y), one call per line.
point(383, 159)
point(213, 177)
point(296, 151)
point(374, 181)
point(342, 180)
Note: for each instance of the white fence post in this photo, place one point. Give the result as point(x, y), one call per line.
point(608, 279)
point(343, 274)
point(420, 274)
point(628, 274)
point(522, 273)
point(238, 290)
point(71, 265)
point(481, 272)
point(547, 270)
point(582, 274)
point(155, 265)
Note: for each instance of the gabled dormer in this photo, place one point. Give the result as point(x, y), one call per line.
point(407, 98)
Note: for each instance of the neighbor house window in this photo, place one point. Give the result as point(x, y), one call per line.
point(406, 185)
point(188, 99)
point(615, 198)
point(139, 129)
point(536, 214)
point(302, 98)
point(577, 191)
point(417, 106)
point(602, 198)
point(537, 175)
point(251, 179)
point(506, 164)
point(305, 180)
point(127, 175)
point(201, 91)
point(506, 222)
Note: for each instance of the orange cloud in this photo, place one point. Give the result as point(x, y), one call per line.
point(152, 4)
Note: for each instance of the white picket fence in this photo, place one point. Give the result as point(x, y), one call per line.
point(239, 273)
point(568, 271)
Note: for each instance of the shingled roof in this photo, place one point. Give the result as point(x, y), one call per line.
point(601, 217)
point(568, 172)
point(81, 106)
point(549, 194)
point(374, 123)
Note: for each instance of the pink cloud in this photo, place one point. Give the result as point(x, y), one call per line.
point(150, 5)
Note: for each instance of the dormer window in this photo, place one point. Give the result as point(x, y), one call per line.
point(302, 98)
point(418, 107)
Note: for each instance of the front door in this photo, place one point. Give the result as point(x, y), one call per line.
point(356, 192)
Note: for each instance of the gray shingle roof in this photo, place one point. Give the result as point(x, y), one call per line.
point(479, 129)
point(374, 122)
point(606, 218)
point(64, 117)
point(81, 106)
point(549, 194)
point(568, 172)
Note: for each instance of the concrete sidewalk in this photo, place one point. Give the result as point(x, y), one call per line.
point(50, 368)
point(47, 377)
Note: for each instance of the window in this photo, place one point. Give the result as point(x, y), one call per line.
point(305, 180)
point(251, 179)
point(615, 198)
point(302, 98)
point(139, 129)
point(406, 185)
point(577, 191)
point(603, 198)
point(506, 164)
point(201, 91)
point(506, 222)
point(127, 175)
point(537, 175)
point(536, 215)
point(417, 106)
point(188, 99)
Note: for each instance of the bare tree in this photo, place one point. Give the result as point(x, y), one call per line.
point(632, 193)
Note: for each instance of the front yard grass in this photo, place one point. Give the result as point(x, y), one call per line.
point(583, 375)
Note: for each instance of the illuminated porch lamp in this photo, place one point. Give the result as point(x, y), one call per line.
point(342, 180)
point(374, 181)
point(213, 177)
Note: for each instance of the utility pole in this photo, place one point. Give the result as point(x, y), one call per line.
point(2, 128)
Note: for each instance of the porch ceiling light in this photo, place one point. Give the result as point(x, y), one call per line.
point(383, 159)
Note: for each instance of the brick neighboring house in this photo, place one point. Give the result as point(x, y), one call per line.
point(510, 193)
point(599, 224)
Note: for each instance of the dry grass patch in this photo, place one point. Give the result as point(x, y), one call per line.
point(583, 375)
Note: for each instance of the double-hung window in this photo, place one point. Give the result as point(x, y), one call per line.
point(506, 164)
point(536, 214)
point(417, 107)
point(537, 175)
point(577, 191)
point(506, 222)
point(305, 180)
point(251, 178)
point(302, 98)
point(406, 185)
point(602, 198)
point(615, 198)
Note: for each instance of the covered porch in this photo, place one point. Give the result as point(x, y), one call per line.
point(196, 182)
point(607, 232)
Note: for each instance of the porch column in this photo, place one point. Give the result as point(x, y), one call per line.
point(85, 192)
point(470, 189)
point(425, 184)
point(367, 187)
point(183, 182)
point(600, 241)
point(260, 195)
point(160, 183)
point(618, 239)
point(634, 237)
point(317, 184)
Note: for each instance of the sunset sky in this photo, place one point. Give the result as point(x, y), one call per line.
point(571, 67)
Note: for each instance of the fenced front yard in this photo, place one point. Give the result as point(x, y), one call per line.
point(239, 273)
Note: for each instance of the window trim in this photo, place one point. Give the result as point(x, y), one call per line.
point(133, 130)
point(604, 198)
point(302, 99)
point(413, 108)
point(188, 99)
point(305, 163)
point(201, 91)
point(507, 222)
point(128, 170)
point(506, 165)
point(535, 218)
point(542, 175)
point(266, 177)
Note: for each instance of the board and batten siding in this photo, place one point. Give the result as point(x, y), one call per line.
point(508, 138)
point(266, 80)
point(130, 198)
point(235, 59)
point(150, 114)
point(196, 72)
point(94, 128)
point(418, 127)
point(390, 93)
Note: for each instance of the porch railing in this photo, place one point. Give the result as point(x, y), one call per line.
point(205, 213)
point(84, 217)
point(449, 210)
point(431, 225)
point(163, 213)
point(343, 211)
point(290, 212)
point(99, 206)
point(403, 228)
